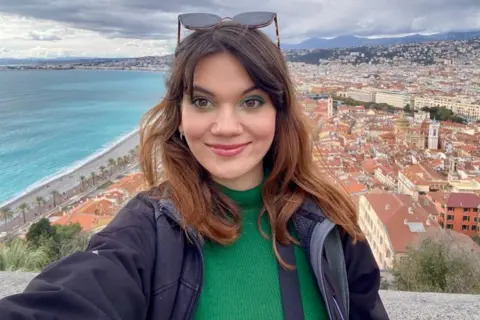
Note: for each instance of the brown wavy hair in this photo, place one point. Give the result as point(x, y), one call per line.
point(293, 174)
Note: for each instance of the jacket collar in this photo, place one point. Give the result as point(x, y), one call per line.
point(304, 219)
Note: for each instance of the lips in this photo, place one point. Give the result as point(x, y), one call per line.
point(228, 150)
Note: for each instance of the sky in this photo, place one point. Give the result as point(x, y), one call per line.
point(129, 28)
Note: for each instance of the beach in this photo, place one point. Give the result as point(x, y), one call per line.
point(69, 179)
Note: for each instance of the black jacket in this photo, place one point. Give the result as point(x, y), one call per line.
point(144, 266)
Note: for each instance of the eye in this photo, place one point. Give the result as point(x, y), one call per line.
point(253, 102)
point(202, 103)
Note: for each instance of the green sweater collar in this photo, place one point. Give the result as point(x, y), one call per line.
point(246, 199)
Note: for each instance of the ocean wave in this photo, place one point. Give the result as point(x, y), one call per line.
point(71, 168)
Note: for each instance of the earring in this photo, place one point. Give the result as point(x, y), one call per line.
point(181, 135)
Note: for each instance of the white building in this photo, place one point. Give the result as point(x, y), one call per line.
point(396, 99)
point(360, 95)
point(467, 110)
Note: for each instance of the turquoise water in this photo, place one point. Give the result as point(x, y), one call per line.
point(51, 119)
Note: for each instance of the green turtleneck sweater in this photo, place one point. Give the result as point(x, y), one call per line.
point(241, 280)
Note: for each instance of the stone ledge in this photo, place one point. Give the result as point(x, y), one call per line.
point(400, 305)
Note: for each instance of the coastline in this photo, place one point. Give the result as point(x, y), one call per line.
point(68, 178)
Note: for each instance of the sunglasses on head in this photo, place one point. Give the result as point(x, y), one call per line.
point(203, 21)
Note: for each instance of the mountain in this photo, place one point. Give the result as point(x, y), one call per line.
point(27, 61)
point(354, 41)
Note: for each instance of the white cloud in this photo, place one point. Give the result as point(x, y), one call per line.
point(22, 37)
point(145, 27)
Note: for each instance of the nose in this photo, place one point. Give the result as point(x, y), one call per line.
point(227, 122)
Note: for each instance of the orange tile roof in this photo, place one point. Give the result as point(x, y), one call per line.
point(87, 222)
point(400, 214)
point(97, 206)
point(131, 183)
point(355, 188)
point(424, 174)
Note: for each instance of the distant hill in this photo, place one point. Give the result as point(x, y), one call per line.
point(14, 61)
point(353, 41)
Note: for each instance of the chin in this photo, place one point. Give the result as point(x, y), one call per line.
point(233, 173)
point(236, 176)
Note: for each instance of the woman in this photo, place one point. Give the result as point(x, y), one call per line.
point(231, 226)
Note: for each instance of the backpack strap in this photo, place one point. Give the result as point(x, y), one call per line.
point(336, 259)
point(289, 285)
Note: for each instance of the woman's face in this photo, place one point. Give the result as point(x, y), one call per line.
point(228, 124)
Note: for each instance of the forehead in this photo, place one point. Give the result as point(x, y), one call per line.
point(222, 74)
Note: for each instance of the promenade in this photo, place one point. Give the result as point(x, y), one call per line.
point(68, 185)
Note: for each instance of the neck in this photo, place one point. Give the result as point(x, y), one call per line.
point(247, 181)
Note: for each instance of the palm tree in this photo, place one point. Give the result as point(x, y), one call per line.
point(55, 193)
point(111, 164)
point(125, 160)
point(39, 201)
point(92, 174)
point(82, 179)
point(132, 153)
point(102, 171)
point(120, 161)
point(5, 214)
point(23, 207)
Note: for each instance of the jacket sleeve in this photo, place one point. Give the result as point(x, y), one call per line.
point(110, 280)
point(363, 281)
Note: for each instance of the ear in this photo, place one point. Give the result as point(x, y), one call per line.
point(180, 128)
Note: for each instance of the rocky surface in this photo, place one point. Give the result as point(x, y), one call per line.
point(400, 305)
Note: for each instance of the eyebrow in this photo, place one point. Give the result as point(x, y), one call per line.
point(203, 90)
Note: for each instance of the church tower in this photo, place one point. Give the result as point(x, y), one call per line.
point(330, 107)
point(433, 129)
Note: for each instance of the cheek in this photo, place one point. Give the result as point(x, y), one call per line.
point(263, 126)
point(194, 125)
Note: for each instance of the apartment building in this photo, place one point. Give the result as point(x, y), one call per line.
point(396, 99)
point(420, 179)
point(458, 211)
point(471, 111)
point(391, 223)
point(360, 95)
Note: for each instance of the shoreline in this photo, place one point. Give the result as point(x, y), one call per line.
point(69, 177)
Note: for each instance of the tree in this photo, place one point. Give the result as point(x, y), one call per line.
point(92, 174)
point(55, 193)
point(111, 164)
point(132, 153)
point(476, 238)
point(82, 179)
point(23, 208)
point(66, 240)
point(57, 240)
point(5, 214)
point(438, 265)
point(102, 170)
point(39, 201)
point(120, 161)
point(40, 232)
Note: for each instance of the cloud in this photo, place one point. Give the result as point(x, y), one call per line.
point(115, 18)
point(129, 25)
point(155, 19)
point(23, 37)
point(43, 37)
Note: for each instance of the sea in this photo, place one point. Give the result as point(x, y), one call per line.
point(53, 121)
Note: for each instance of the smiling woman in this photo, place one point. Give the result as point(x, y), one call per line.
point(228, 123)
point(238, 222)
